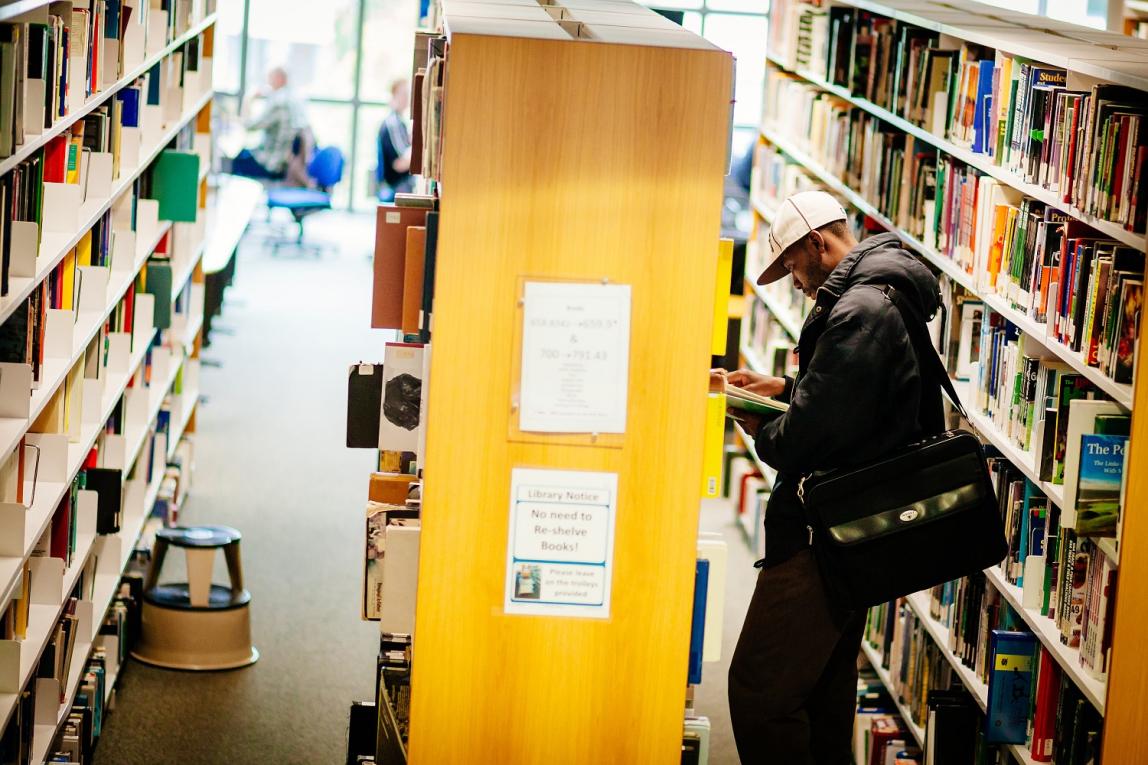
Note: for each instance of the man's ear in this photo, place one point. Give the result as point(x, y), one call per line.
point(820, 244)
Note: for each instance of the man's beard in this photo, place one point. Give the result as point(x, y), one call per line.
point(818, 273)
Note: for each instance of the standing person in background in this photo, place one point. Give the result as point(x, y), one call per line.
point(280, 122)
point(393, 169)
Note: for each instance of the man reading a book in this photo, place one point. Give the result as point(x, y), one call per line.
point(857, 396)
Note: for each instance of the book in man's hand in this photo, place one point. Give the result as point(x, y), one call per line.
point(743, 400)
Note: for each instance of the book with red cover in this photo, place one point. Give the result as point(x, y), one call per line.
point(416, 167)
point(1044, 719)
point(56, 160)
point(62, 530)
point(129, 311)
point(21, 463)
point(882, 730)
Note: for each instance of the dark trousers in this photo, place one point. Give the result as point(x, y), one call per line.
point(245, 164)
point(793, 677)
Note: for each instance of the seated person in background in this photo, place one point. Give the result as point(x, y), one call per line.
point(393, 169)
point(280, 122)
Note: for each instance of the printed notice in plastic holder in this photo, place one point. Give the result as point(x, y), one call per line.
point(560, 558)
point(575, 357)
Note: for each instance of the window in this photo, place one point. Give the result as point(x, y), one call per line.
point(744, 36)
point(341, 57)
point(1088, 13)
point(740, 27)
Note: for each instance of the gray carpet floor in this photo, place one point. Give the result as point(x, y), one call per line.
point(270, 461)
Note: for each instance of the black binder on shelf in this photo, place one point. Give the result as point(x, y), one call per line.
point(108, 484)
point(364, 405)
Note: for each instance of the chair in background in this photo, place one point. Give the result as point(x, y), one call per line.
point(325, 170)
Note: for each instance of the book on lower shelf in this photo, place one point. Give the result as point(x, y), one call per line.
point(1021, 699)
point(935, 719)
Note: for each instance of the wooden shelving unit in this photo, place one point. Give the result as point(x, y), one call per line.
point(562, 96)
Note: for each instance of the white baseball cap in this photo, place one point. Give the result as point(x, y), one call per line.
point(798, 215)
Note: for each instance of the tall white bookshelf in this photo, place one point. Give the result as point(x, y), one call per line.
point(1089, 57)
point(174, 364)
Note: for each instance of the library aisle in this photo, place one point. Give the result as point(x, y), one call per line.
point(271, 462)
point(717, 516)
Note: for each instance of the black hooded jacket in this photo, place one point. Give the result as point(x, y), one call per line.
point(858, 392)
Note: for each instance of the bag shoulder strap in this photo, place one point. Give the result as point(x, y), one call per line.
point(923, 346)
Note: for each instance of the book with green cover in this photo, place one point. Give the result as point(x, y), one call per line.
point(175, 185)
point(1098, 490)
point(159, 283)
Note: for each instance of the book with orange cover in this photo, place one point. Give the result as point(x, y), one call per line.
point(1000, 217)
point(390, 488)
point(413, 270)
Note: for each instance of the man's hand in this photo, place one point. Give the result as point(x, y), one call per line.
point(762, 385)
point(750, 423)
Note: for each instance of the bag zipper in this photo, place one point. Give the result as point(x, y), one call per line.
point(801, 498)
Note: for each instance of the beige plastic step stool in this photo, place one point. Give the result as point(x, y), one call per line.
point(196, 625)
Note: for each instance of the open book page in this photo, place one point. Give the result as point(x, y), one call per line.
point(739, 398)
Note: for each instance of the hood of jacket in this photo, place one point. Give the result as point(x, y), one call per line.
point(882, 260)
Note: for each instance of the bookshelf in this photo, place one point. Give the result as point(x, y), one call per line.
point(790, 323)
point(13, 430)
point(40, 140)
point(1120, 393)
point(143, 372)
point(979, 690)
point(551, 169)
point(1047, 633)
point(1089, 58)
point(875, 660)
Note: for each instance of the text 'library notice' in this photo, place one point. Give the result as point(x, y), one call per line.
point(559, 559)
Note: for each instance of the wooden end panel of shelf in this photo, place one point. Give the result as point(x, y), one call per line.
point(575, 161)
point(1126, 716)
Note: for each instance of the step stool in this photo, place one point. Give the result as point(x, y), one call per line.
point(196, 625)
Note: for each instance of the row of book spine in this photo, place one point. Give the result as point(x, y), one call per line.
point(22, 335)
point(1030, 701)
point(1086, 145)
point(55, 59)
point(77, 728)
point(924, 687)
point(1080, 286)
point(103, 472)
point(68, 161)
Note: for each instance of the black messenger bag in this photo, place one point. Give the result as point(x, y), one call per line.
point(914, 518)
